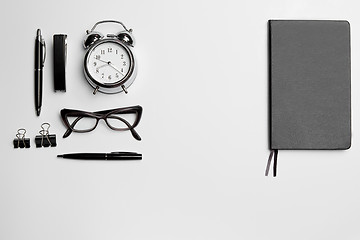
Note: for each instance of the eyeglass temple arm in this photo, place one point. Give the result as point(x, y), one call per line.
point(69, 130)
point(132, 130)
point(133, 110)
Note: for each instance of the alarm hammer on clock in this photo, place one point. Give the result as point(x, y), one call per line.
point(109, 63)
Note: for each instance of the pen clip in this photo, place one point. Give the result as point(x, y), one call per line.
point(65, 46)
point(44, 46)
point(126, 153)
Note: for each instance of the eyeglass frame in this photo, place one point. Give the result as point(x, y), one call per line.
point(79, 114)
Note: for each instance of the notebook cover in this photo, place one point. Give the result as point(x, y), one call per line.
point(309, 84)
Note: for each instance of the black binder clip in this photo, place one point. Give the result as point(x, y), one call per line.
point(45, 139)
point(20, 141)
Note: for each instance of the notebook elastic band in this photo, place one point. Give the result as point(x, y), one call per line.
point(274, 152)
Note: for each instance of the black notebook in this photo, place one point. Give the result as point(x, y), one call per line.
point(309, 85)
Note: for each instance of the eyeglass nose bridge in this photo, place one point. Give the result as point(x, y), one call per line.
point(99, 117)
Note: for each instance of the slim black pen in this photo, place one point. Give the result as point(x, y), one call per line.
point(39, 64)
point(103, 156)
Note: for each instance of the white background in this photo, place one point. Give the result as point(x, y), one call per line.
point(202, 82)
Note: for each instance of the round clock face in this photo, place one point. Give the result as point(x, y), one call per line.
point(108, 62)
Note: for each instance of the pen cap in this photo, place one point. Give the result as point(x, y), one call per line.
point(60, 52)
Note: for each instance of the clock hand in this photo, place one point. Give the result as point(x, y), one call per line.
point(102, 60)
point(102, 66)
point(113, 66)
point(110, 64)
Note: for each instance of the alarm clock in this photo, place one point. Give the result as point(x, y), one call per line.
point(109, 62)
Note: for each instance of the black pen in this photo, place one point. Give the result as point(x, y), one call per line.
point(40, 52)
point(103, 156)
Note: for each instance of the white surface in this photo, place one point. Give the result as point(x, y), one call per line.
point(202, 81)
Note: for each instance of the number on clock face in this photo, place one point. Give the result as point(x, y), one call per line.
point(108, 63)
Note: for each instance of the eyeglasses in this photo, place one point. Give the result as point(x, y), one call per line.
point(119, 119)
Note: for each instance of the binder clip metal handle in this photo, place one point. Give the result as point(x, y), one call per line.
point(45, 139)
point(20, 141)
